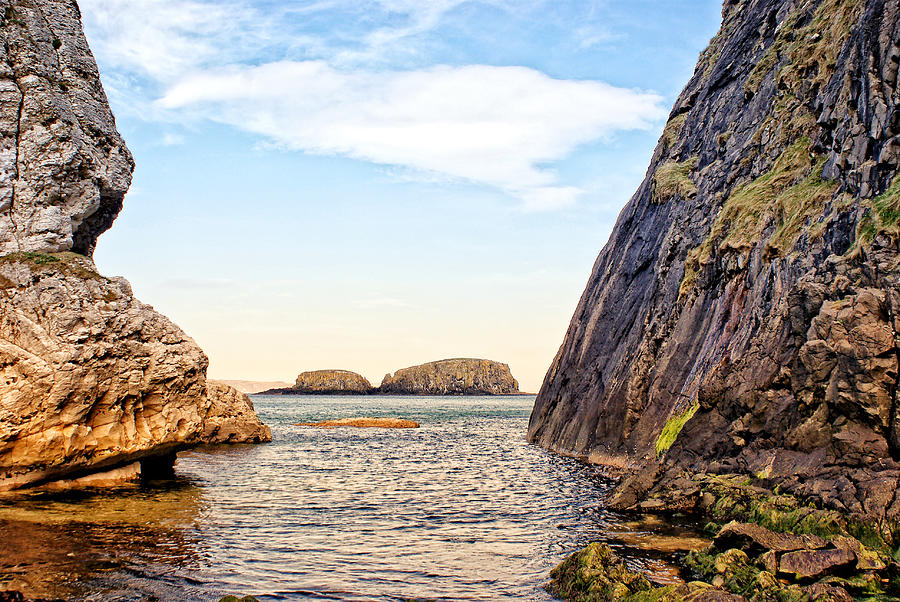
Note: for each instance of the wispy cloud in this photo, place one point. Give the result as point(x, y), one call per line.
point(329, 90)
point(490, 125)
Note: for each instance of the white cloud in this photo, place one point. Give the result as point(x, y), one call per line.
point(489, 125)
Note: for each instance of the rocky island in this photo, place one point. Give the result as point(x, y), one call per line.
point(738, 334)
point(91, 379)
point(452, 377)
point(443, 377)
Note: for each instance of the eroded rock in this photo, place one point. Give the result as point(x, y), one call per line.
point(231, 417)
point(90, 378)
point(751, 537)
point(332, 382)
point(809, 564)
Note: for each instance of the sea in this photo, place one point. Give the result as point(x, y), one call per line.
point(461, 508)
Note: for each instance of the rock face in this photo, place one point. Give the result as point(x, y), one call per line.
point(452, 377)
point(64, 169)
point(331, 382)
point(743, 317)
point(231, 417)
point(90, 378)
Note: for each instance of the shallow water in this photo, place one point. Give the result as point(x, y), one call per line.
point(459, 509)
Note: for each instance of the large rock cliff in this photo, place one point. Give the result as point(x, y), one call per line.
point(743, 315)
point(452, 377)
point(91, 379)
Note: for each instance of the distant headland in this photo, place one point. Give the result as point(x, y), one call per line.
point(458, 376)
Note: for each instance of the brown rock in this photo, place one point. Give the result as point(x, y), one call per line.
point(810, 564)
point(231, 417)
point(754, 538)
point(91, 379)
point(822, 592)
point(331, 382)
point(452, 377)
point(384, 423)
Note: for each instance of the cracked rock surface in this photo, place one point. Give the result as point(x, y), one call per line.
point(742, 317)
point(64, 169)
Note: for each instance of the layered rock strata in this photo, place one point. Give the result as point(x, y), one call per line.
point(742, 317)
point(452, 377)
point(231, 417)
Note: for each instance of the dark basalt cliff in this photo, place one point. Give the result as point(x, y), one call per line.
point(743, 316)
point(452, 377)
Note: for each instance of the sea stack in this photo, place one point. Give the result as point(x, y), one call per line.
point(743, 316)
point(452, 377)
point(91, 379)
point(331, 382)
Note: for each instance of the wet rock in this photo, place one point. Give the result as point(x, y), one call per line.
point(384, 423)
point(231, 417)
point(452, 377)
point(810, 564)
point(754, 538)
point(822, 592)
point(595, 573)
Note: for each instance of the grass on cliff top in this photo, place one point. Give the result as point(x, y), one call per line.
point(672, 429)
point(809, 53)
point(672, 179)
point(68, 263)
point(791, 194)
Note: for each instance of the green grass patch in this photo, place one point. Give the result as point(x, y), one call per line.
point(672, 179)
point(673, 427)
point(673, 128)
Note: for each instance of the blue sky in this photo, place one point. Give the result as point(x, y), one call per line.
point(374, 184)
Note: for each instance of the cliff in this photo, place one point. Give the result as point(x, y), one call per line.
point(91, 379)
point(452, 377)
point(331, 382)
point(742, 317)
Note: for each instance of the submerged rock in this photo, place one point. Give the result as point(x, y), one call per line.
point(384, 423)
point(742, 317)
point(231, 417)
point(331, 382)
point(452, 377)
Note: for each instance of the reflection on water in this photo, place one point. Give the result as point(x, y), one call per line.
point(459, 509)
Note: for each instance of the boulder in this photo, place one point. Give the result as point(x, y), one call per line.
point(452, 377)
point(810, 564)
point(753, 538)
point(231, 417)
point(91, 379)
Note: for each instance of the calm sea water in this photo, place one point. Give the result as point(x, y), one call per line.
point(459, 509)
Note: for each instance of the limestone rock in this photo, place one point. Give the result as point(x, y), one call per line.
point(64, 169)
point(91, 379)
point(452, 377)
point(746, 321)
point(331, 382)
point(231, 417)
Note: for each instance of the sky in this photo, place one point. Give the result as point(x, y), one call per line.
point(374, 184)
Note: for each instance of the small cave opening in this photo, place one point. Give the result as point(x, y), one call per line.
point(84, 238)
point(158, 468)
